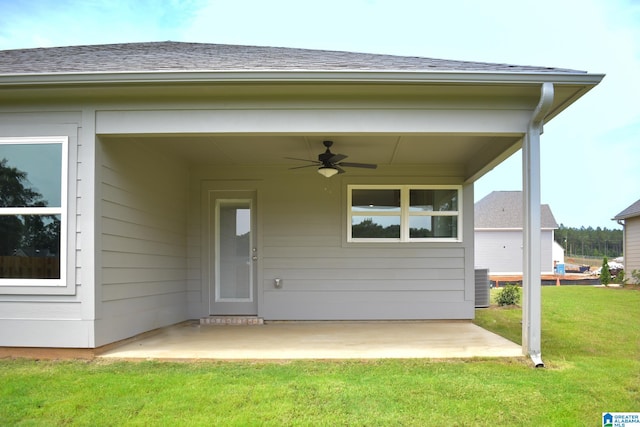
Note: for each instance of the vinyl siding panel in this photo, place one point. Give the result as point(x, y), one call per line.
point(40, 310)
point(367, 306)
point(632, 244)
point(328, 278)
point(302, 241)
point(143, 241)
point(53, 317)
point(501, 251)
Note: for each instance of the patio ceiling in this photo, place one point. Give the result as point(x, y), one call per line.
point(456, 150)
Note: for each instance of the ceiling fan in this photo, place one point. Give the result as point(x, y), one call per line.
point(331, 164)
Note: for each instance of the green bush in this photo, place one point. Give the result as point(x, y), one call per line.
point(509, 295)
point(605, 274)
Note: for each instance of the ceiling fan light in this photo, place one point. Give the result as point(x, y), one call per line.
point(327, 172)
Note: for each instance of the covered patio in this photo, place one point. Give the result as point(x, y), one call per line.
point(317, 340)
point(191, 189)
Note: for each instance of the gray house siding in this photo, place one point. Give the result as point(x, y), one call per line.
point(632, 244)
point(330, 279)
point(143, 240)
point(630, 218)
point(302, 241)
point(60, 316)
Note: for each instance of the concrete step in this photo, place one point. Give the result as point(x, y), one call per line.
point(232, 320)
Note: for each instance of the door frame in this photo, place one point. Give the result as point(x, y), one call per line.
point(210, 190)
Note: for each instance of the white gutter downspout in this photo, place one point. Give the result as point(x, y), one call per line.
point(531, 280)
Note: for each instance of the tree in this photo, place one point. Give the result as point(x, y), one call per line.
point(13, 188)
point(589, 241)
point(605, 274)
point(34, 232)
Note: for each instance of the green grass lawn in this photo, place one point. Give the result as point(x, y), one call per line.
point(591, 346)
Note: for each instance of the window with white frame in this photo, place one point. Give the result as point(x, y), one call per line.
point(33, 211)
point(404, 213)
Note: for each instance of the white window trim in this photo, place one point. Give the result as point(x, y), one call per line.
point(62, 210)
point(404, 214)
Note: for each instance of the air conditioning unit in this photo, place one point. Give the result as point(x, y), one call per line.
point(483, 296)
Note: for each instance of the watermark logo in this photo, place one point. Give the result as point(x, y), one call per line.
point(621, 419)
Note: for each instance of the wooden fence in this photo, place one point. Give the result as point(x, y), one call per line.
point(21, 267)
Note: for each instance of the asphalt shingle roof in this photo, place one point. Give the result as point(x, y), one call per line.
point(630, 212)
point(503, 209)
point(179, 56)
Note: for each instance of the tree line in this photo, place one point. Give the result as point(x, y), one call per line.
point(591, 242)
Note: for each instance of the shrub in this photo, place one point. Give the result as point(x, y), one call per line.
point(509, 295)
point(605, 274)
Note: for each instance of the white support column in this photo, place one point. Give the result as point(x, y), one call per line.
point(532, 304)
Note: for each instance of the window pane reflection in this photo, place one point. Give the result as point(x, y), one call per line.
point(30, 175)
point(433, 226)
point(420, 226)
point(376, 227)
point(433, 200)
point(375, 200)
point(30, 246)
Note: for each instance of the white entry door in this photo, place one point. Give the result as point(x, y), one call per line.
point(233, 290)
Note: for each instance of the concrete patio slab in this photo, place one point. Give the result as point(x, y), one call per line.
point(319, 340)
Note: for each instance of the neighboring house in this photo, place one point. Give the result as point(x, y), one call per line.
point(499, 221)
point(630, 221)
point(170, 195)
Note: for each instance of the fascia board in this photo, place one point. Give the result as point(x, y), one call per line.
point(299, 76)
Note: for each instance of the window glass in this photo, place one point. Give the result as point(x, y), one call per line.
point(30, 246)
point(33, 178)
point(420, 226)
point(433, 226)
point(404, 213)
point(30, 175)
point(372, 227)
point(433, 200)
point(445, 226)
point(375, 200)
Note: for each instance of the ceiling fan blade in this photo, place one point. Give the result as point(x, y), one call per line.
point(357, 165)
point(305, 166)
point(302, 160)
point(336, 158)
point(339, 169)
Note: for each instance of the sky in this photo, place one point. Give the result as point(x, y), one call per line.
point(590, 153)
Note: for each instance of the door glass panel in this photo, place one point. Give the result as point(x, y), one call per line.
point(234, 251)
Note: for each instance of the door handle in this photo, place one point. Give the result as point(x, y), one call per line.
point(255, 257)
